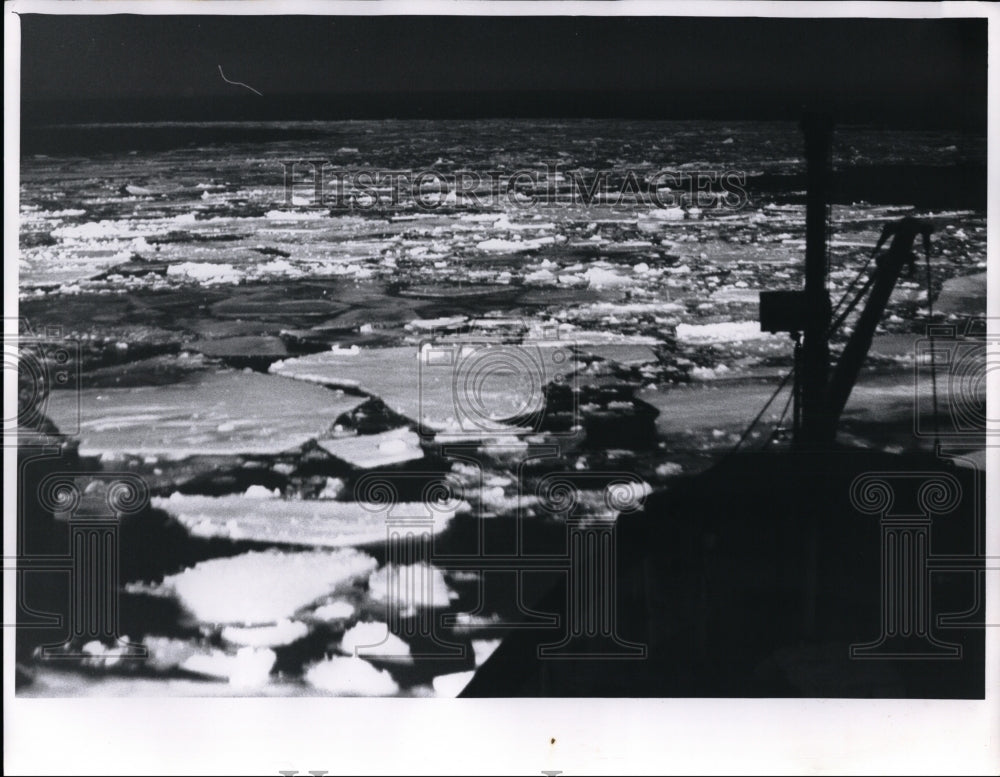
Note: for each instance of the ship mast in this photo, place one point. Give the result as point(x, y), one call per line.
point(816, 431)
point(819, 393)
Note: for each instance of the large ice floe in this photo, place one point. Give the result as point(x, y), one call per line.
point(263, 588)
point(205, 414)
point(446, 387)
point(308, 522)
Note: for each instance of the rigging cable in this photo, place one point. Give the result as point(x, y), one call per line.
point(781, 420)
point(854, 303)
point(850, 287)
point(756, 420)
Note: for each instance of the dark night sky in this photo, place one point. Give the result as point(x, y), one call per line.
point(919, 70)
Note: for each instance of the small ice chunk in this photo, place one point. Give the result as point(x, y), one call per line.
point(249, 668)
point(599, 277)
point(542, 276)
point(260, 492)
point(291, 215)
point(165, 653)
point(334, 611)
point(102, 655)
point(375, 639)
point(350, 676)
point(424, 584)
point(492, 496)
point(450, 685)
point(93, 230)
point(723, 332)
point(284, 632)
point(205, 272)
point(332, 489)
point(498, 244)
point(483, 649)
point(669, 469)
point(430, 324)
point(709, 373)
point(667, 214)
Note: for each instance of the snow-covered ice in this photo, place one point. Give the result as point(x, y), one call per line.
point(450, 685)
point(311, 522)
point(416, 585)
point(375, 450)
point(350, 676)
point(263, 587)
point(373, 639)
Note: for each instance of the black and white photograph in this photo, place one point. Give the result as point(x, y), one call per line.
point(606, 354)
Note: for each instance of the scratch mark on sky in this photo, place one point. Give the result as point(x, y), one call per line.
point(237, 83)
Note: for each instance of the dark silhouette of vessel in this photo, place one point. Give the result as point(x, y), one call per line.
point(818, 571)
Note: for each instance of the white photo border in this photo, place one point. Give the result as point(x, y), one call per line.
point(488, 736)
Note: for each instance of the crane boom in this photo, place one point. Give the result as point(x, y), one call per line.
point(887, 270)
